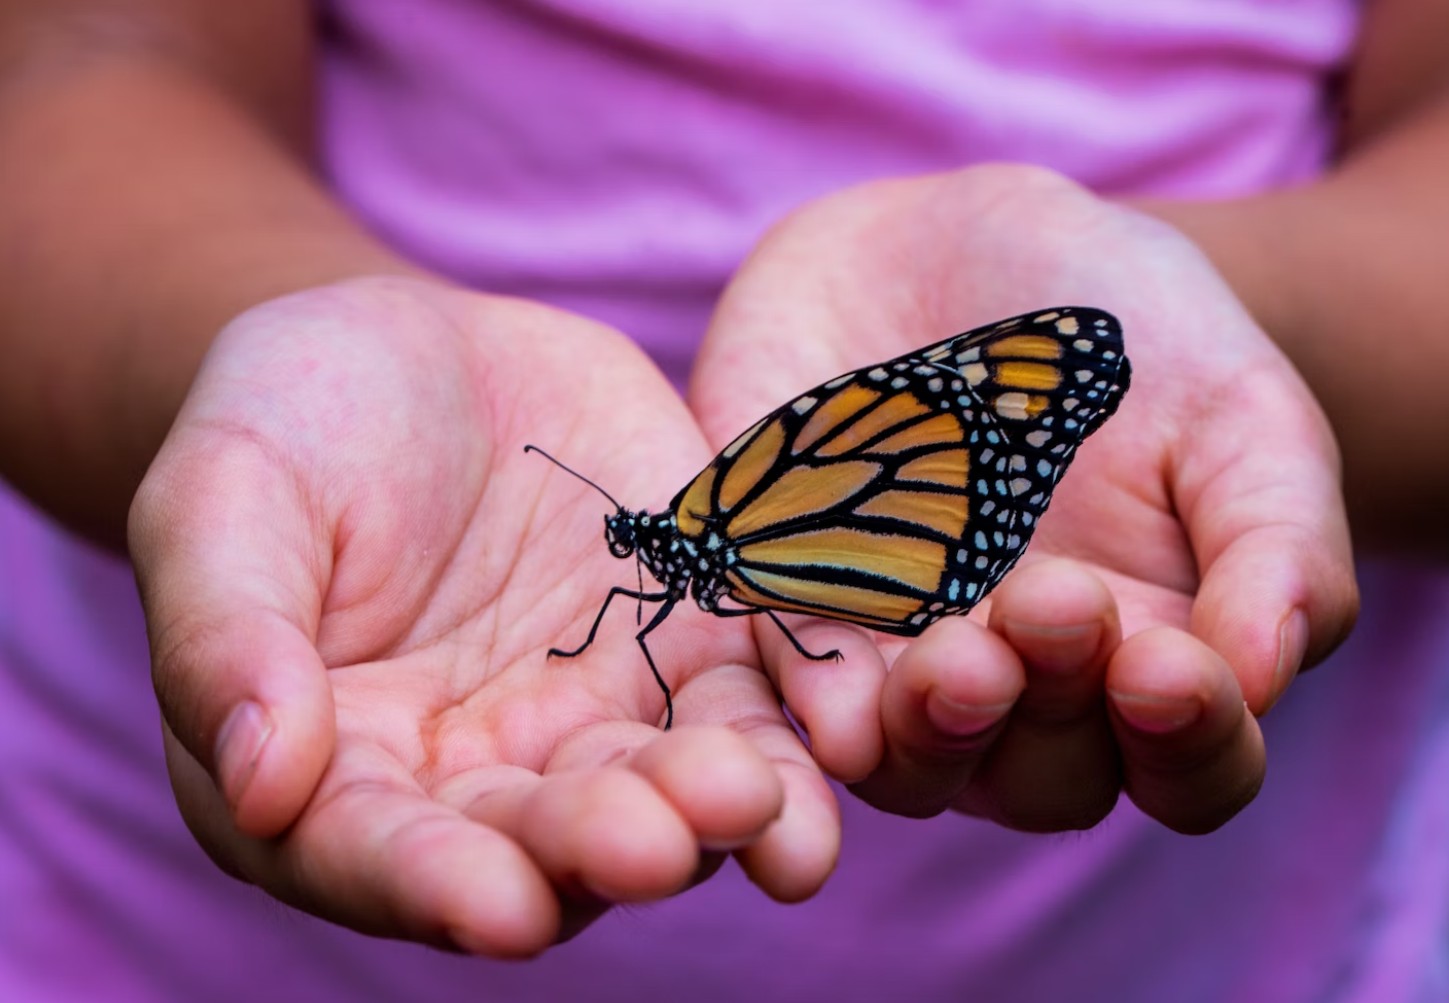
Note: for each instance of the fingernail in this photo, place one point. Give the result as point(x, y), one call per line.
point(1157, 715)
point(1055, 648)
point(239, 748)
point(962, 720)
point(1292, 645)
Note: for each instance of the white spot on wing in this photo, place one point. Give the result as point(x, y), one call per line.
point(1013, 405)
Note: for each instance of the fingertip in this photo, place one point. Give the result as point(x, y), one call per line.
point(260, 689)
point(1052, 594)
point(270, 765)
point(1062, 622)
point(837, 703)
point(1168, 665)
point(952, 683)
point(798, 852)
point(1192, 753)
point(1272, 609)
point(717, 780)
point(506, 909)
point(611, 832)
point(384, 860)
point(946, 700)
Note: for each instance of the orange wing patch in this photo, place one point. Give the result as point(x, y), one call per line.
point(1028, 375)
point(801, 595)
point(752, 464)
point(1025, 346)
point(802, 491)
point(828, 416)
point(914, 562)
point(943, 513)
point(945, 467)
point(943, 429)
point(695, 502)
point(900, 408)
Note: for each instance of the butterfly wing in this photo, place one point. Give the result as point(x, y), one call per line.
point(900, 493)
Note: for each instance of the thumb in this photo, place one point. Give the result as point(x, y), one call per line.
point(231, 602)
point(1262, 502)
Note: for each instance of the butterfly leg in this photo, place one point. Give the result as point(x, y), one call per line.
point(659, 617)
point(828, 656)
point(641, 595)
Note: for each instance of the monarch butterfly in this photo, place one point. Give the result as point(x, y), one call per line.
point(890, 496)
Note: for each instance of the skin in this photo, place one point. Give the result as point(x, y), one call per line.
point(345, 602)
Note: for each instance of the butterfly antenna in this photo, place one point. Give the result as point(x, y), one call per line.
point(565, 467)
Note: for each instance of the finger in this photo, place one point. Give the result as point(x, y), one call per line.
point(229, 602)
point(725, 790)
point(947, 698)
point(603, 833)
point(836, 701)
point(1055, 765)
point(744, 784)
point(379, 856)
point(1264, 509)
point(1192, 754)
point(623, 811)
point(797, 850)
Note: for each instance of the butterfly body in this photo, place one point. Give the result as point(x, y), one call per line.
point(892, 495)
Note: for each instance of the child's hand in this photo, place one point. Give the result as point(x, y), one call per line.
point(352, 573)
point(1204, 520)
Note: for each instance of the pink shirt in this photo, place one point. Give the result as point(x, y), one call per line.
point(618, 157)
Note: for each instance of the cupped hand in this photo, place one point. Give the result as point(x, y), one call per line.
point(352, 574)
point(1195, 556)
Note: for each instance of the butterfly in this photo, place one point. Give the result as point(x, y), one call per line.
point(890, 496)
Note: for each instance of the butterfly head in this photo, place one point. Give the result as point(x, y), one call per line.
point(620, 532)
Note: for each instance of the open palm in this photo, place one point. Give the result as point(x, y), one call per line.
point(1203, 523)
point(352, 574)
